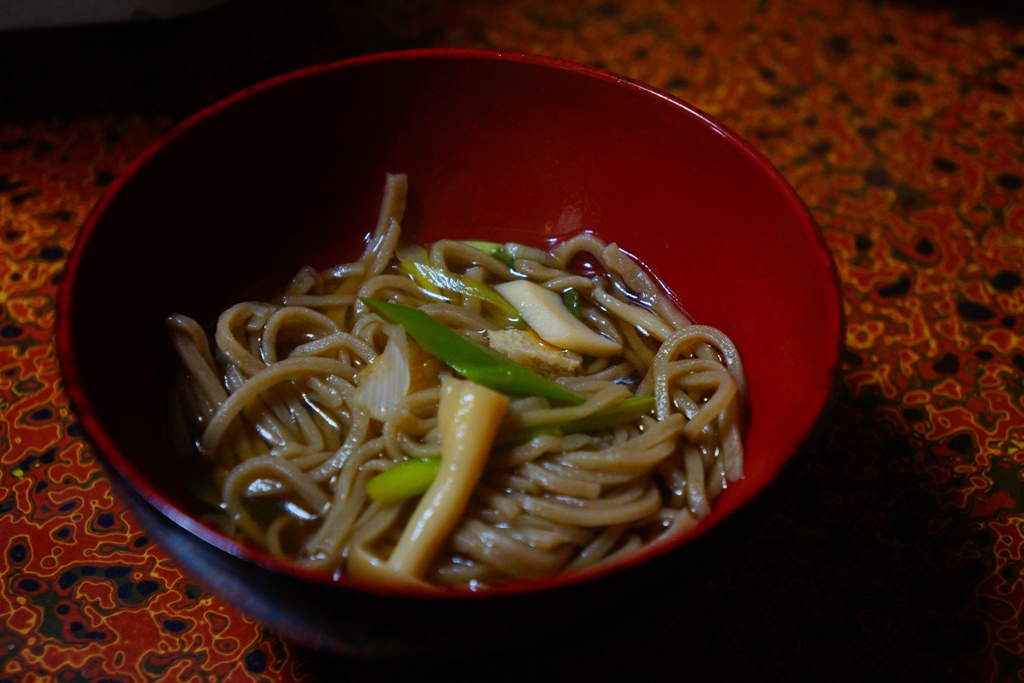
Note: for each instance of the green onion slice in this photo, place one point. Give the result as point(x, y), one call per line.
point(472, 360)
point(434, 279)
point(405, 480)
point(623, 412)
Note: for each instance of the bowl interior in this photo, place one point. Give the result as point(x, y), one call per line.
point(496, 147)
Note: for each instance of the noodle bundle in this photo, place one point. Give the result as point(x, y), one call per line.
point(333, 437)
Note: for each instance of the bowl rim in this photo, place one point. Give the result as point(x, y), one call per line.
point(111, 456)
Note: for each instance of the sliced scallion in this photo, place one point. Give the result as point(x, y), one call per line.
point(405, 480)
point(469, 358)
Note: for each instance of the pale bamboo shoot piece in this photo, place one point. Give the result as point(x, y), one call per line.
point(544, 311)
point(469, 416)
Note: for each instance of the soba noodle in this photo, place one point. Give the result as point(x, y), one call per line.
point(299, 401)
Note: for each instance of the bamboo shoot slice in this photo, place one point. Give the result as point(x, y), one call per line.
point(469, 416)
point(544, 311)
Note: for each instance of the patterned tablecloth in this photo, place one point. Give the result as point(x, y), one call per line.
point(892, 550)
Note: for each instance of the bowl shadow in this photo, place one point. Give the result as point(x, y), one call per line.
point(847, 559)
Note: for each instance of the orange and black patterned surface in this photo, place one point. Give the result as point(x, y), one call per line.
point(891, 550)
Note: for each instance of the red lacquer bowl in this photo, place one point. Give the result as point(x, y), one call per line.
point(497, 146)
